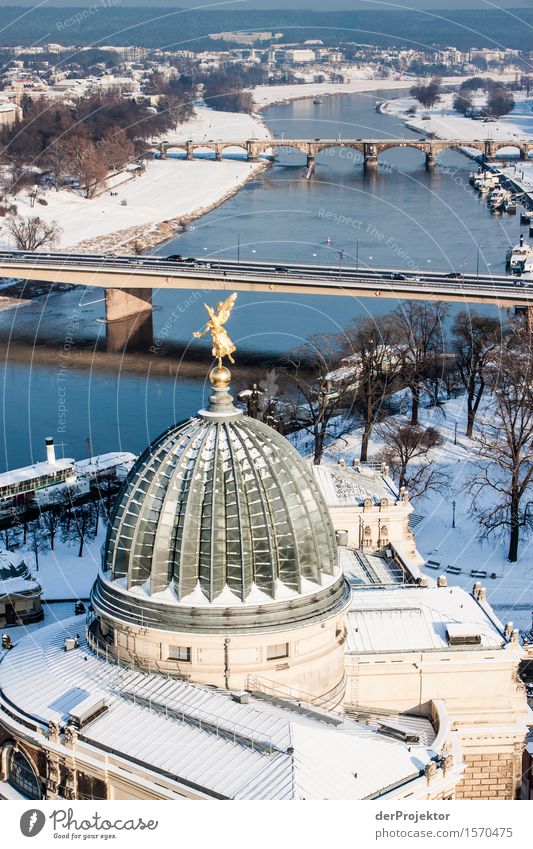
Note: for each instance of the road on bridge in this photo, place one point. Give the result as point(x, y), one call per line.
point(130, 273)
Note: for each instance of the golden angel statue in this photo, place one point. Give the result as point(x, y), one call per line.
point(222, 344)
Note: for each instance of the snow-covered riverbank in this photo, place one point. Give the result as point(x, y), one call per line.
point(265, 95)
point(441, 121)
point(140, 212)
point(146, 210)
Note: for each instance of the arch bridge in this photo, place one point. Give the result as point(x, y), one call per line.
point(369, 149)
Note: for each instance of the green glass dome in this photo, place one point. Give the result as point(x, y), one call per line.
point(220, 509)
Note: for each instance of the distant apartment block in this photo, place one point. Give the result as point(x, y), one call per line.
point(245, 37)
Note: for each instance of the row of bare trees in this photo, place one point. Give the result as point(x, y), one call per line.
point(334, 382)
point(82, 143)
point(65, 518)
point(360, 369)
point(502, 487)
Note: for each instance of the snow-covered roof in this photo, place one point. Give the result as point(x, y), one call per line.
point(103, 462)
point(348, 485)
point(239, 751)
point(361, 569)
point(416, 618)
point(15, 577)
point(37, 470)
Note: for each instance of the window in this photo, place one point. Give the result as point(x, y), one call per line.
point(277, 651)
point(180, 653)
point(22, 777)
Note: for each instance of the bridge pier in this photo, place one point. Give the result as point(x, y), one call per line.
point(163, 151)
point(218, 153)
point(126, 303)
point(370, 162)
point(311, 163)
point(370, 157)
point(431, 160)
point(189, 150)
point(251, 151)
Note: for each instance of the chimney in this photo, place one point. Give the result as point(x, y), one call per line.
point(50, 451)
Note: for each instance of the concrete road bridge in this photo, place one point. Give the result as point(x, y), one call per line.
point(129, 282)
point(370, 149)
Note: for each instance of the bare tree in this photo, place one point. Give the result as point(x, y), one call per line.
point(500, 101)
point(429, 94)
point(52, 521)
point(317, 390)
point(9, 537)
point(475, 340)
point(375, 350)
point(407, 453)
point(115, 148)
point(58, 158)
point(463, 102)
point(505, 445)
point(92, 174)
point(36, 540)
point(31, 234)
point(20, 521)
point(106, 491)
point(421, 341)
point(81, 527)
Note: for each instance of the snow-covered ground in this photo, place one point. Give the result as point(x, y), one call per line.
point(511, 590)
point(170, 189)
point(64, 575)
point(444, 123)
point(362, 81)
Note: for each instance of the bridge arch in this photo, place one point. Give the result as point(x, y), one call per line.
point(353, 152)
point(383, 149)
point(296, 154)
point(176, 148)
point(397, 145)
point(235, 145)
point(509, 150)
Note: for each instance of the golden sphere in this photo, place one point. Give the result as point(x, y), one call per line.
point(220, 377)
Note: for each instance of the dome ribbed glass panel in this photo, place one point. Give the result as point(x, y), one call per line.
point(220, 504)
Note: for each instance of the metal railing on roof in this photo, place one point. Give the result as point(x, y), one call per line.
point(317, 706)
point(133, 662)
point(235, 732)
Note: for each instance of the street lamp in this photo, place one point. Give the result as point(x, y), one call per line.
point(238, 247)
point(455, 434)
point(357, 254)
point(341, 256)
point(477, 261)
point(453, 514)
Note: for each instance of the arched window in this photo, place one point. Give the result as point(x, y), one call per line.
point(21, 775)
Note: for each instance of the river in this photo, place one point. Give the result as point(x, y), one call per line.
point(58, 380)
